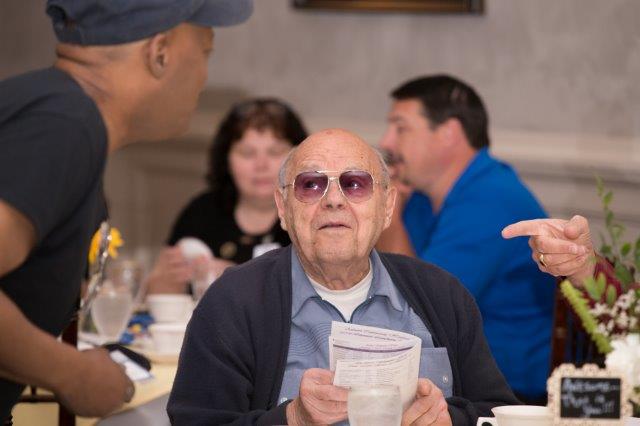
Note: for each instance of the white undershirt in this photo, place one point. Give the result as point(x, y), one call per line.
point(345, 301)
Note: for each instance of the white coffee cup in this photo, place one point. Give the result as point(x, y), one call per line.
point(170, 307)
point(167, 337)
point(518, 415)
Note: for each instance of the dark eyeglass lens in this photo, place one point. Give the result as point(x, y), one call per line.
point(309, 186)
point(356, 185)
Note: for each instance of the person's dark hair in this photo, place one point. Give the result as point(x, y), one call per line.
point(260, 114)
point(444, 97)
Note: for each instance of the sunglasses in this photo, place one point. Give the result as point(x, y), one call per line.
point(355, 185)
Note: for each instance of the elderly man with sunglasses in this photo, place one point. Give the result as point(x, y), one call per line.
point(256, 349)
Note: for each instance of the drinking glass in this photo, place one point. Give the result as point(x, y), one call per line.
point(376, 405)
point(115, 301)
point(202, 278)
point(128, 272)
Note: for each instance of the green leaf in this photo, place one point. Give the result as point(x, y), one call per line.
point(600, 285)
point(618, 228)
point(612, 295)
point(608, 220)
point(626, 248)
point(623, 274)
point(581, 308)
point(605, 250)
point(636, 255)
point(592, 288)
point(606, 200)
point(599, 185)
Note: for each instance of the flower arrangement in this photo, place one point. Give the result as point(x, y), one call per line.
point(609, 303)
point(625, 357)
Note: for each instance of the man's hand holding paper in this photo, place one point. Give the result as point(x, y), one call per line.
point(429, 408)
point(319, 402)
point(362, 355)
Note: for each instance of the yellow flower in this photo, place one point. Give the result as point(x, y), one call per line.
point(114, 244)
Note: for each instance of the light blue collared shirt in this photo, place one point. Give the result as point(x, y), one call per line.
point(384, 307)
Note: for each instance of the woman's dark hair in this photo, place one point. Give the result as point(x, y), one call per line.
point(260, 114)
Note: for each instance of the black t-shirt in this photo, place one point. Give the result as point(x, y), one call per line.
point(204, 218)
point(53, 147)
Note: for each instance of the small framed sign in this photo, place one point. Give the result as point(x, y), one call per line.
point(588, 396)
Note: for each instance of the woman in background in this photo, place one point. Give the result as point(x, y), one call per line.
point(236, 217)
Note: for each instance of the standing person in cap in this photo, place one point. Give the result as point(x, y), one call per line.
point(127, 71)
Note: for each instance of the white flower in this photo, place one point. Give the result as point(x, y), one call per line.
point(602, 329)
point(623, 320)
point(599, 309)
point(625, 358)
point(615, 311)
point(625, 300)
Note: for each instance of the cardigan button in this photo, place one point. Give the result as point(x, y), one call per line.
point(445, 379)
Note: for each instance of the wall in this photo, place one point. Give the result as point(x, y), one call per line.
point(569, 66)
point(26, 37)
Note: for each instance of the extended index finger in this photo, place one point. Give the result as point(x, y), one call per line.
point(524, 228)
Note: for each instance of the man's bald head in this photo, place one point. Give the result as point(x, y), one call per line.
point(339, 207)
point(333, 136)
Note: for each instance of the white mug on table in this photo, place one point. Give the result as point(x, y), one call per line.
point(518, 415)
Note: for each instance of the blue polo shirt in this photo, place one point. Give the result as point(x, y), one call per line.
point(384, 307)
point(515, 298)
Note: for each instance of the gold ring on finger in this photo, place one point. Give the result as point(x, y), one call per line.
point(541, 259)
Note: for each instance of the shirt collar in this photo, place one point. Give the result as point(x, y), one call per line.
point(302, 289)
point(381, 285)
point(478, 164)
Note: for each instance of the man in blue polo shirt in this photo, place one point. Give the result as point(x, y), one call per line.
point(458, 198)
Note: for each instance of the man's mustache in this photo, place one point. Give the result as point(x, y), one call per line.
point(390, 158)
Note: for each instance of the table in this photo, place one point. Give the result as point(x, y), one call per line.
point(146, 408)
point(630, 421)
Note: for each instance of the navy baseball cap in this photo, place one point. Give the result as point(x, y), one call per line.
point(103, 22)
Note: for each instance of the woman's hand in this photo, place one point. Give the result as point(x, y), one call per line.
point(170, 274)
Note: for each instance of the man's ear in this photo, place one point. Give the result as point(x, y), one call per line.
point(392, 194)
point(157, 57)
point(281, 209)
point(451, 132)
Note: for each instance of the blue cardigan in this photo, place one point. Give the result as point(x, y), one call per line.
point(235, 350)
